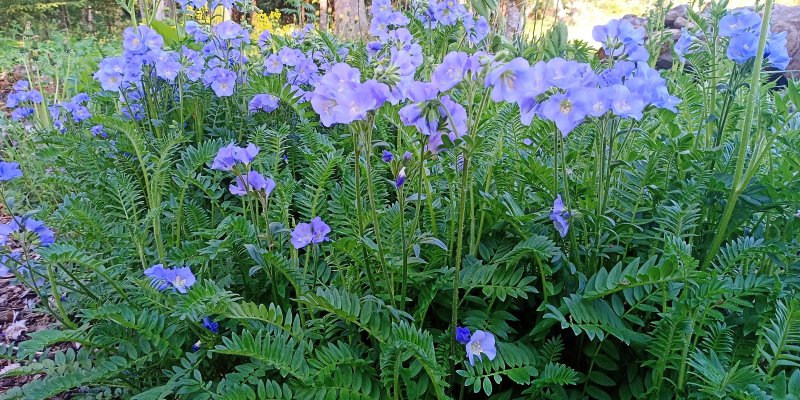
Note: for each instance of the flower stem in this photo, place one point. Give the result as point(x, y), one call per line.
point(738, 184)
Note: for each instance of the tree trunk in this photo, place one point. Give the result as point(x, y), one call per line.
point(90, 19)
point(323, 15)
point(159, 15)
point(512, 17)
point(351, 19)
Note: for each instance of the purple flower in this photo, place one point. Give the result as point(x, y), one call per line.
point(481, 343)
point(4, 261)
point(209, 324)
point(463, 335)
point(6, 230)
point(196, 346)
point(98, 130)
point(776, 53)
point(623, 103)
point(9, 171)
point(181, 279)
point(684, 43)
point(387, 156)
point(450, 72)
point(255, 183)
point(221, 80)
point(739, 22)
point(273, 65)
point(314, 232)
point(263, 39)
point(620, 38)
point(510, 80)
point(401, 178)
point(559, 217)
point(228, 30)
point(21, 85)
point(168, 69)
point(563, 73)
point(566, 110)
point(743, 47)
point(224, 160)
point(43, 233)
point(289, 56)
point(21, 113)
point(455, 116)
point(263, 102)
point(446, 12)
point(407, 156)
point(245, 155)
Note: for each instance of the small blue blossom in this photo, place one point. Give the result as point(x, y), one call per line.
point(559, 217)
point(9, 171)
point(209, 324)
point(181, 279)
point(481, 343)
point(463, 335)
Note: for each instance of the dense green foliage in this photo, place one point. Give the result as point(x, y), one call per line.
point(637, 301)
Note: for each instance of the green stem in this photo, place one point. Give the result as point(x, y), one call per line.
point(738, 184)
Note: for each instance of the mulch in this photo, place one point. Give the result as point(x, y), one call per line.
point(19, 316)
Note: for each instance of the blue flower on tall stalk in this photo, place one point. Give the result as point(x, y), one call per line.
point(559, 217)
point(181, 279)
point(510, 81)
point(450, 72)
point(481, 343)
point(310, 233)
point(566, 110)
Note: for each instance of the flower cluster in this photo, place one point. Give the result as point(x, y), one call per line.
point(228, 156)
point(34, 230)
point(74, 110)
point(568, 92)
point(252, 182)
point(620, 40)
point(384, 18)
point(743, 28)
point(180, 279)
point(341, 97)
point(22, 99)
point(449, 13)
point(314, 232)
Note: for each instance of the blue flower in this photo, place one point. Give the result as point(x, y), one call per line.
point(263, 102)
point(401, 178)
point(221, 80)
point(273, 65)
point(21, 85)
point(255, 183)
point(228, 30)
point(566, 110)
point(481, 343)
point(264, 39)
point(450, 72)
point(387, 156)
point(510, 80)
point(181, 279)
point(776, 53)
point(463, 335)
point(4, 261)
point(620, 39)
point(246, 155)
point(98, 130)
point(559, 217)
point(624, 103)
point(739, 22)
point(209, 324)
point(308, 233)
point(684, 43)
point(224, 161)
point(742, 47)
point(9, 171)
